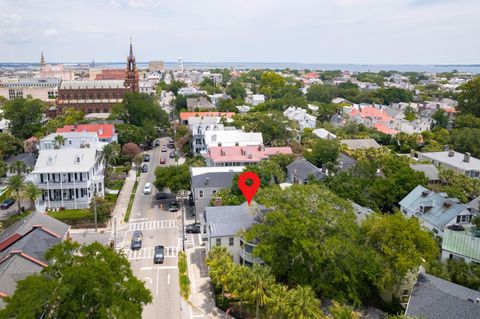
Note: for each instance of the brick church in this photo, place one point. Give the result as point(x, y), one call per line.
point(98, 96)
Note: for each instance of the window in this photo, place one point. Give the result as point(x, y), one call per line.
point(214, 192)
point(200, 194)
point(218, 241)
point(230, 241)
point(463, 218)
point(435, 231)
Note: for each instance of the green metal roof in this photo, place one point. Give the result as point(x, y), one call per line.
point(462, 243)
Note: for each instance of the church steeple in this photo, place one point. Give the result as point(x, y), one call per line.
point(131, 72)
point(42, 59)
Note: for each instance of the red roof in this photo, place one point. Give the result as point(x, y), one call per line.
point(104, 131)
point(245, 153)
point(385, 129)
point(9, 241)
point(185, 115)
point(311, 75)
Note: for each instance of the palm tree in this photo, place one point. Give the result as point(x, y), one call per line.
point(59, 141)
point(261, 282)
point(239, 283)
point(15, 184)
point(32, 192)
point(277, 305)
point(220, 263)
point(18, 167)
point(303, 304)
point(109, 153)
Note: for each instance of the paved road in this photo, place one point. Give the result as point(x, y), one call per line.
point(159, 227)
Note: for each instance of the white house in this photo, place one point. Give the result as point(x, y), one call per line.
point(324, 134)
point(255, 99)
point(449, 159)
point(461, 245)
point(71, 140)
point(232, 138)
point(301, 116)
point(69, 178)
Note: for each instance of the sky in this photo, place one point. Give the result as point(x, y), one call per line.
point(304, 31)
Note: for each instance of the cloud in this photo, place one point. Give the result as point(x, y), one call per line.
point(49, 32)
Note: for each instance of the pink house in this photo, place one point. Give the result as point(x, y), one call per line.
point(373, 118)
point(241, 155)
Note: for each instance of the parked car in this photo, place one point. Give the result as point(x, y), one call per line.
point(7, 203)
point(173, 207)
point(136, 242)
point(164, 148)
point(171, 145)
point(173, 154)
point(147, 189)
point(159, 255)
point(146, 158)
point(163, 160)
point(144, 168)
point(193, 228)
point(157, 143)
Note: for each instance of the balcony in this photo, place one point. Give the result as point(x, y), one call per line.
point(80, 203)
point(64, 185)
point(246, 253)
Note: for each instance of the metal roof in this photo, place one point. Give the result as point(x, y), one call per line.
point(457, 160)
point(430, 170)
point(230, 220)
point(214, 179)
point(463, 243)
point(437, 213)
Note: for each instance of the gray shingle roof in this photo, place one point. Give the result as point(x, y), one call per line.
point(435, 298)
point(229, 220)
point(36, 218)
point(430, 170)
point(345, 162)
point(303, 169)
point(437, 214)
point(214, 180)
point(356, 144)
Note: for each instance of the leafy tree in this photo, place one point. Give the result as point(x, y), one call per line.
point(392, 95)
point(131, 149)
point(208, 85)
point(220, 264)
point(469, 97)
point(303, 304)
point(128, 133)
point(90, 281)
point(15, 184)
point(137, 160)
point(320, 93)
point(109, 154)
point(10, 145)
point(103, 207)
point(323, 152)
point(272, 84)
point(339, 311)
point(402, 244)
point(466, 140)
point(458, 185)
point(3, 167)
point(410, 114)
point(441, 119)
point(174, 177)
point(467, 120)
point(32, 192)
point(229, 105)
point(236, 91)
point(24, 115)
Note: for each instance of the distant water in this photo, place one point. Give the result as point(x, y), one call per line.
point(474, 68)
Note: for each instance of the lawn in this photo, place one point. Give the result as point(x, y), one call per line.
point(73, 216)
point(115, 184)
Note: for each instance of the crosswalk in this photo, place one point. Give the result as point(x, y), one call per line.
point(189, 242)
point(147, 253)
point(153, 224)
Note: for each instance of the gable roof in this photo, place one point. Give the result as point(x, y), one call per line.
point(439, 210)
point(430, 170)
point(215, 179)
point(464, 243)
point(435, 298)
point(26, 224)
point(104, 131)
point(303, 169)
point(345, 162)
point(229, 220)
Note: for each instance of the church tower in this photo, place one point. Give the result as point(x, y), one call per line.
point(42, 60)
point(131, 73)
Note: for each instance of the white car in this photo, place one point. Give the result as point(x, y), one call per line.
point(147, 189)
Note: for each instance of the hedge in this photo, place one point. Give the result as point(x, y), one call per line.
point(73, 216)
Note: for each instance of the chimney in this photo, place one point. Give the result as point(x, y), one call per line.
point(451, 153)
point(100, 131)
point(446, 148)
point(207, 179)
point(466, 157)
point(259, 148)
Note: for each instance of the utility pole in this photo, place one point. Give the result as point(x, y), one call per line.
point(95, 209)
point(183, 194)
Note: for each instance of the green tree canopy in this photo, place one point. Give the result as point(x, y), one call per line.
point(9, 145)
point(24, 115)
point(174, 177)
point(236, 90)
point(272, 84)
point(469, 97)
point(323, 152)
point(81, 282)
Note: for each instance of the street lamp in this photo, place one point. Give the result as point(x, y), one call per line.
point(182, 196)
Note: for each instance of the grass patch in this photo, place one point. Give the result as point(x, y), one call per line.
point(115, 184)
point(130, 202)
point(14, 218)
point(111, 198)
point(183, 275)
point(73, 216)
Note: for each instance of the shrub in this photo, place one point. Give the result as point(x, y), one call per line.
point(73, 216)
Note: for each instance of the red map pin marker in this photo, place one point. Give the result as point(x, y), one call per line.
point(248, 191)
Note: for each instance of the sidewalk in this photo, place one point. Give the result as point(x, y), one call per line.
point(123, 198)
point(201, 294)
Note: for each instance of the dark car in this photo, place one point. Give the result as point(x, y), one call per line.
point(171, 145)
point(7, 203)
point(173, 154)
point(173, 207)
point(144, 168)
point(193, 228)
point(146, 158)
point(136, 240)
point(157, 143)
point(159, 255)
